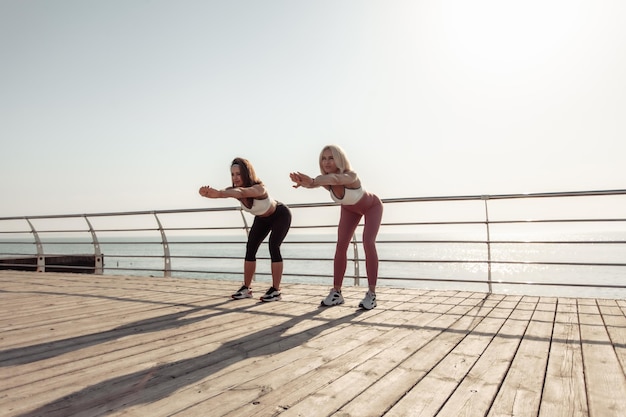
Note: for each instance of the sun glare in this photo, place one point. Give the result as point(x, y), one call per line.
point(501, 37)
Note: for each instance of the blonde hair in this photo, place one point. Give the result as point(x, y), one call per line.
point(339, 155)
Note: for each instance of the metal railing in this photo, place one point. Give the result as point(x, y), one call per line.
point(569, 242)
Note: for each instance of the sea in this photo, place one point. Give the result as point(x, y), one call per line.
point(570, 269)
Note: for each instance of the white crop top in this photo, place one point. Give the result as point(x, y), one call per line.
point(351, 196)
point(259, 207)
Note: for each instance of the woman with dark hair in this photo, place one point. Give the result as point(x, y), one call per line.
point(270, 217)
point(345, 188)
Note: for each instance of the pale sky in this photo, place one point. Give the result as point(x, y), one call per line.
point(124, 105)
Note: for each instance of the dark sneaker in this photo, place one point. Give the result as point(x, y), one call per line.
point(271, 295)
point(334, 298)
point(244, 292)
point(369, 302)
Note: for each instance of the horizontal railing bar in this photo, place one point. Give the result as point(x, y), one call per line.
point(482, 222)
point(55, 231)
point(322, 226)
point(492, 241)
point(178, 229)
point(430, 223)
point(502, 282)
point(64, 266)
point(323, 242)
point(207, 257)
point(174, 242)
point(122, 213)
point(442, 261)
point(310, 205)
point(601, 220)
point(206, 242)
point(558, 263)
point(117, 242)
point(53, 266)
point(503, 262)
point(502, 241)
point(319, 227)
point(156, 229)
point(170, 229)
point(119, 268)
point(405, 261)
point(551, 242)
point(507, 196)
point(116, 256)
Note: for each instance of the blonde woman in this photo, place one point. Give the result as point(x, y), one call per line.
point(344, 185)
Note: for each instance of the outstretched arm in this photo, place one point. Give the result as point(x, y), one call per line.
point(257, 190)
point(326, 180)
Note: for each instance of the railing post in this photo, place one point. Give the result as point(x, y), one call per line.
point(357, 275)
point(167, 267)
point(245, 225)
point(485, 198)
point(99, 264)
point(41, 259)
point(245, 222)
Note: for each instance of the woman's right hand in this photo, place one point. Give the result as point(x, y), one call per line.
point(208, 192)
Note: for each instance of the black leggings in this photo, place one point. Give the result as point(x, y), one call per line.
point(278, 223)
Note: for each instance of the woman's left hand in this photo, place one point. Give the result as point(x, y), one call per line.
point(301, 180)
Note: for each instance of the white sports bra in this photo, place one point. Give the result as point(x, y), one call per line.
point(351, 196)
point(259, 207)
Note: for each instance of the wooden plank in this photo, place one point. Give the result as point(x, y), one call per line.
point(605, 380)
point(564, 389)
point(520, 393)
point(615, 322)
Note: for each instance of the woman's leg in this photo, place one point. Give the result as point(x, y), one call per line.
point(281, 221)
point(277, 274)
point(373, 219)
point(348, 221)
point(249, 268)
point(258, 232)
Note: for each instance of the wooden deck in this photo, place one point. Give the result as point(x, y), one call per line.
point(85, 345)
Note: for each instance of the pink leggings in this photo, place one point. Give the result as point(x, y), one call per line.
point(371, 207)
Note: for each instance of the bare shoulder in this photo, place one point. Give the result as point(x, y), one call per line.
point(356, 182)
point(258, 190)
point(254, 191)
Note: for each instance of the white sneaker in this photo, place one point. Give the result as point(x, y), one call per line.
point(369, 302)
point(272, 295)
point(334, 298)
point(244, 292)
